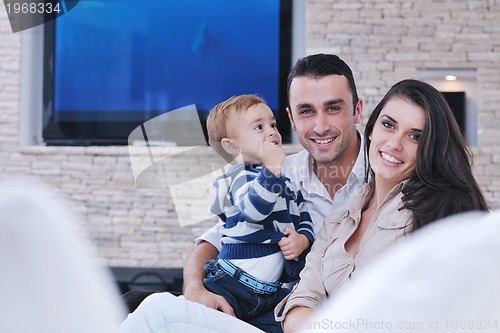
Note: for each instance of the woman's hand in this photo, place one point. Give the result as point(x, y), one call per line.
point(296, 319)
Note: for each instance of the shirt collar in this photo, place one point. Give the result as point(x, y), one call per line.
point(358, 170)
point(359, 201)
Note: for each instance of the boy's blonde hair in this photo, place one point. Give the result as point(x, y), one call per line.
point(218, 118)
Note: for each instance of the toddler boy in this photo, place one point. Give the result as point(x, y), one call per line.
point(258, 206)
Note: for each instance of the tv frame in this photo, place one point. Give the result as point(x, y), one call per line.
point(104, 133)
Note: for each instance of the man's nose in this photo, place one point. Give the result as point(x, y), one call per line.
point(321, 124)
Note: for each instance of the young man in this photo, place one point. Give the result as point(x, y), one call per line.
point(324, 110)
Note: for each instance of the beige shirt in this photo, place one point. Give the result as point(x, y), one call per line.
point(329, 266)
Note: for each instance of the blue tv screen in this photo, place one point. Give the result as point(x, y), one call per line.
point(115, 64)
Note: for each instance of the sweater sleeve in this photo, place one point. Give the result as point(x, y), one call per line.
point(305, 226)
point(293, 268)
point(254, 194)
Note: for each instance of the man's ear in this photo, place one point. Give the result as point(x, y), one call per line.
point(358, 112)
point(289, 112)
point(230, 146)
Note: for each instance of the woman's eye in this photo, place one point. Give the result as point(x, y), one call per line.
point(415, 136)
point(387, 124)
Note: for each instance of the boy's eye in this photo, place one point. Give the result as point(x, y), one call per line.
point(258, 127)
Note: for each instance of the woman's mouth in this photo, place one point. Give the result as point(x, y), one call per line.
point(389, 158)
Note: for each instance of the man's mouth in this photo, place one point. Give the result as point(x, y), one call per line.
point(323, 141)
point(390, 158)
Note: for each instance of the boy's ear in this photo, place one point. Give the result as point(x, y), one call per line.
point(230, 146)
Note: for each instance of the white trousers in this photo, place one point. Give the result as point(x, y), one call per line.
point(164, 312)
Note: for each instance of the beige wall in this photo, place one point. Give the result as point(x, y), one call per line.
point(382, 41)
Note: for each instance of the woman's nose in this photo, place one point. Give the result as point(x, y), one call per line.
point(394, 142)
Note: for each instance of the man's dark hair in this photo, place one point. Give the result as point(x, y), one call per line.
point(319, 65)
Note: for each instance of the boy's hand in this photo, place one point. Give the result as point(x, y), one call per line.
point(272, 155)
point(293, 245)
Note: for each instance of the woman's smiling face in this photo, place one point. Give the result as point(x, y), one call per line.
point(394, 140)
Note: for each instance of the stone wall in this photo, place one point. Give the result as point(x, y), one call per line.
point(387, 41)
point(383, 42)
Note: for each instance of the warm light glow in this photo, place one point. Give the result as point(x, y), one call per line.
point(450, 78)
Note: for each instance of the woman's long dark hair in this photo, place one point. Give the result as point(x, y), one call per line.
point(443, 183)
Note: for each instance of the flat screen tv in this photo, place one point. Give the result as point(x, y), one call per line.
point(110, 66)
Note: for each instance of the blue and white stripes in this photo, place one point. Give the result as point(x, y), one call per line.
point(256, 206)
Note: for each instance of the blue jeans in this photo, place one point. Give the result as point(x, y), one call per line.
point(256, 309)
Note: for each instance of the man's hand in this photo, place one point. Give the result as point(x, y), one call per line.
point(293, 245)
point(209, 299)
point(193, 289)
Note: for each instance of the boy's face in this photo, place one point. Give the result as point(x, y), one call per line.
point(251, 129)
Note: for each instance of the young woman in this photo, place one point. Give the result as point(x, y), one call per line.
point(420, 171)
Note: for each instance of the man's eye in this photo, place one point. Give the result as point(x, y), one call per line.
point(333, 109)
point(305, 112)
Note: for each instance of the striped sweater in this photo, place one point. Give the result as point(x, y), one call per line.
point(256, 206)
